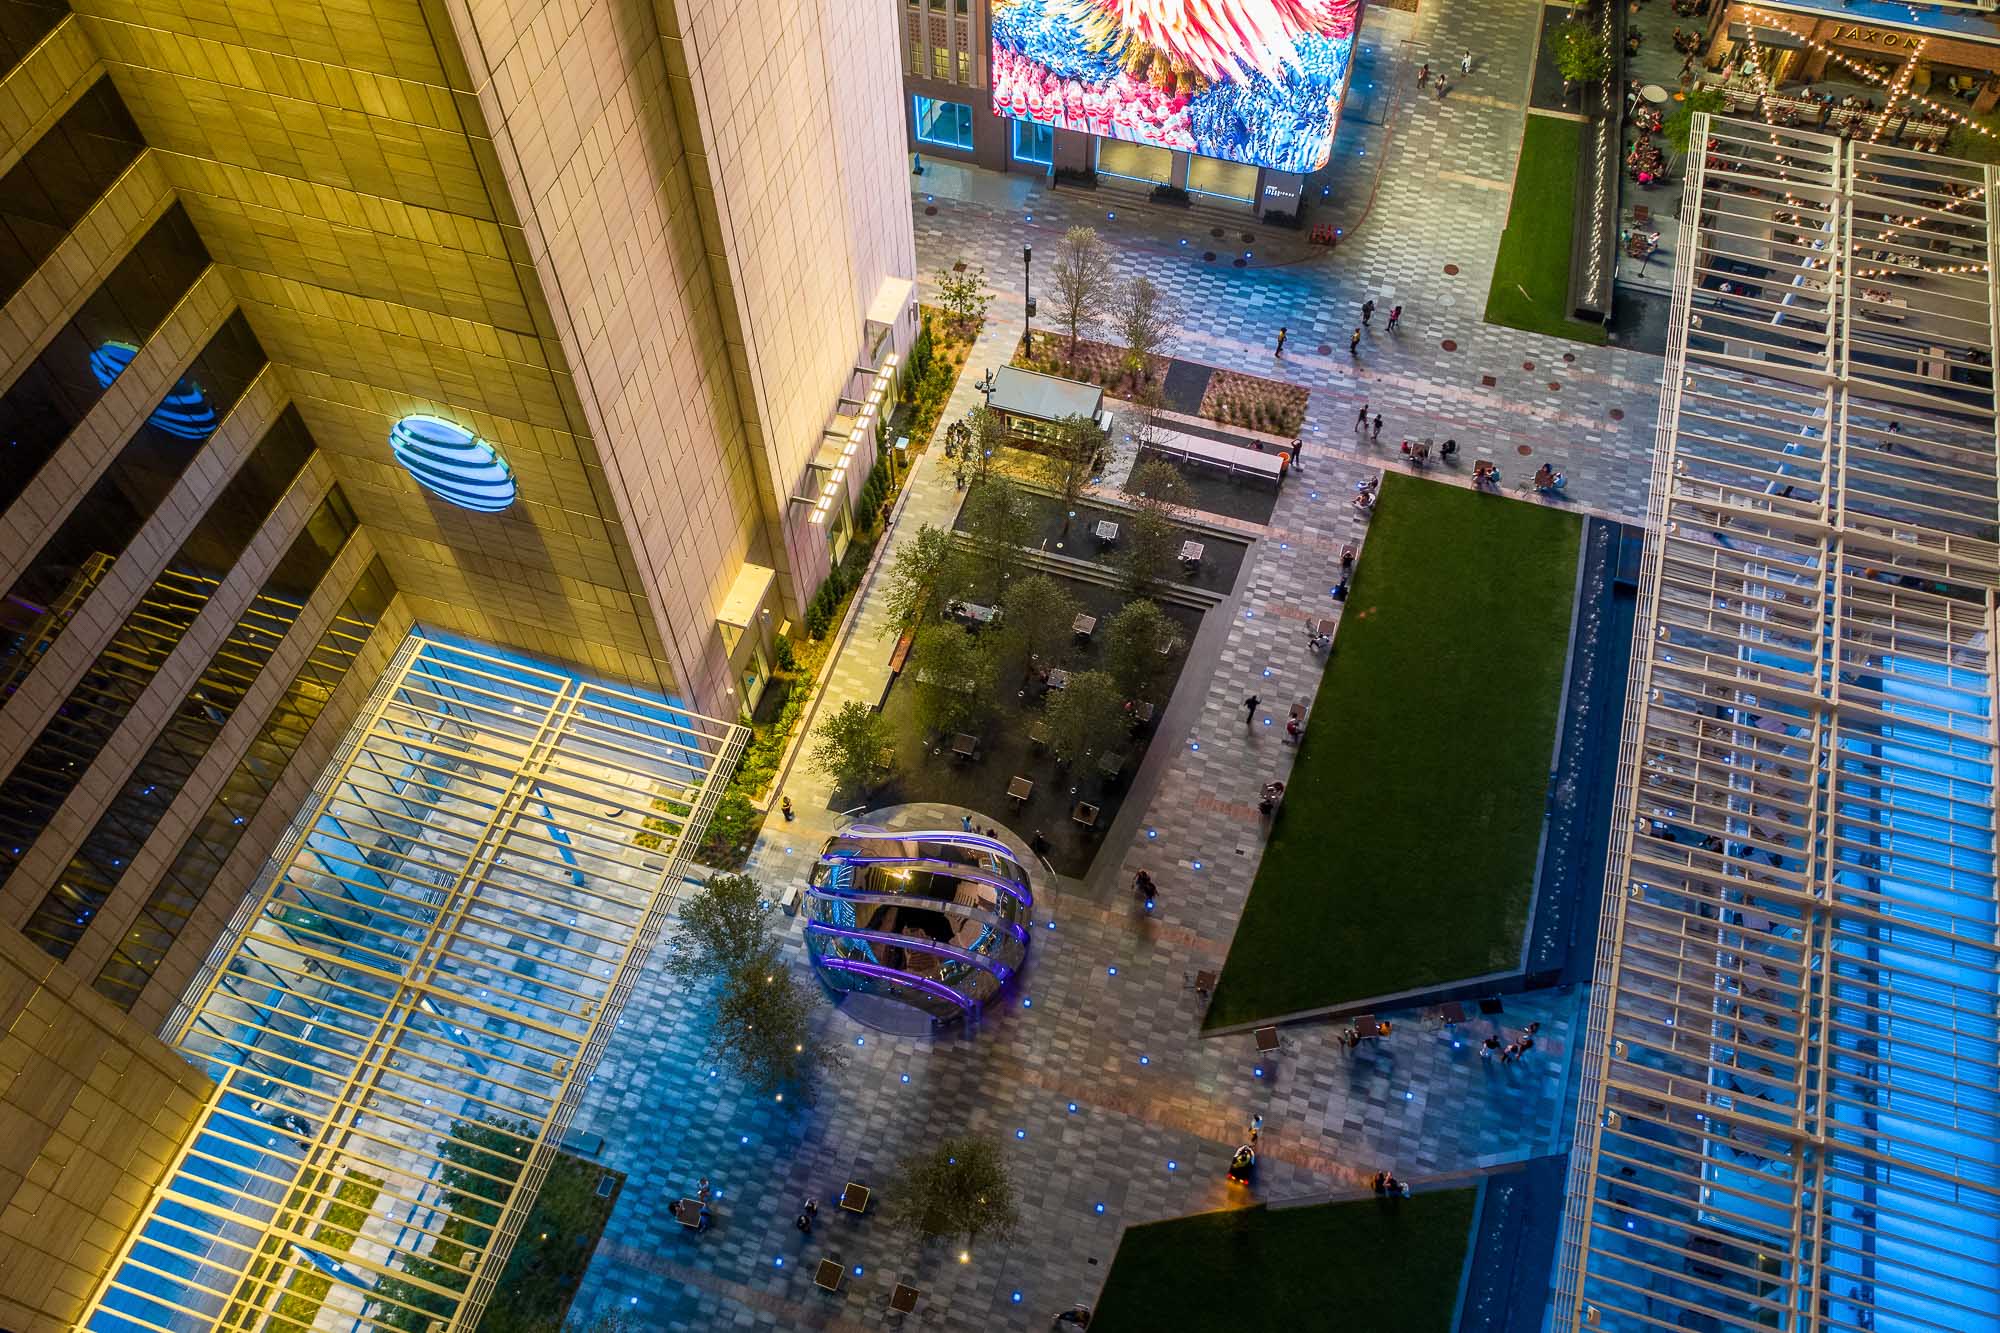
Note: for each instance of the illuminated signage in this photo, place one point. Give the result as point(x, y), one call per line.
point(1848, 32)
point(453, 464)
point(1256, 81)
point(184, 413)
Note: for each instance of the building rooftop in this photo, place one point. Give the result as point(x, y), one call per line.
point(1030, 393)
point(1789, 1116)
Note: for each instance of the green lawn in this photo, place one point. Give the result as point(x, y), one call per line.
point(1404, 853)
point(1534, 249)
point(1371, 1264)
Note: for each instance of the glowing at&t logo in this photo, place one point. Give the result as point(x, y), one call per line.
point(453, 463)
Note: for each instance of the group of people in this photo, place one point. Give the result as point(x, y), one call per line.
point(1419, 451)
point(1509, 1052)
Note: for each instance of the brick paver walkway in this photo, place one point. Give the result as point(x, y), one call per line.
point(1114, 1110)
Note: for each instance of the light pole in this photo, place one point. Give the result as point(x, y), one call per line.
point(1028, 290)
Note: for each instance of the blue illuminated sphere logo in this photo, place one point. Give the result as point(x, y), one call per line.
point(184, 413)
point(453, 464)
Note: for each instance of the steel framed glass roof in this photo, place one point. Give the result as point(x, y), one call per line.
point(1789, 1114)
point(401, 1022)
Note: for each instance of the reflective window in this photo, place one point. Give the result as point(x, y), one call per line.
point(1034, 142)
point(23, 24)
point(85, 722)
point(947, 124)
point(37, 609)
point(221, 827)
point(44, 405)
point(158, 777)
point(56, 181)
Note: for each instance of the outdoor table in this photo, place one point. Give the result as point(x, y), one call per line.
point(1106, 530)
point(854, 1197)
point(964, 746)
point(1191, 553)
point(688, 1213)
point(903, 1299)
point(828, 1275)
point(1451, 1011)
point(1267, 1040)
point(1654, 94)
point(1111, 765)
point(1368, 1026)
point(1325, 624)
point(1083, 625)
point(977, 612)
point(1085, 814)
point(1020, 789)
point(1058, 678)
point(1038, 734)
point(1142, 710)
point(1204, 982)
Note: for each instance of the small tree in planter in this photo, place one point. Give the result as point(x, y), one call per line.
point(958, 1188)
point(720, 927)
point(1041, 613)
point(1132, 647)
point(1159, 494)
point(1582, 54)
point(963, 296)
point(920, 579)
point(954, 674)
point(1069, 457)
point(1147, 319)
point(999, 521)
point(1679, 124)
point(1087, 720)
point(1084, 284)
point(763, 1027)
point(853, 747)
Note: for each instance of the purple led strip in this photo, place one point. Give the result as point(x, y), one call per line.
point(1018, 892)
point(937, 988)
point(999, 970)
point(826, 893)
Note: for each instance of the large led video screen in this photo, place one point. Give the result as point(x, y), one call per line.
point(1256, 81)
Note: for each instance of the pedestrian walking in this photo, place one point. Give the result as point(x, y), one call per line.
point(785, 808)
point(1465, 63)
point(1368, 311)
point(1424, 74)
point(1376, 434)
point(1441, 87)
point(1144, 889)
point(1283, 333)
point(1354, 345)
point(1298, 447)
point(1395, 317)
point(1250, 710)
point(965, 822)
point(1361, 417)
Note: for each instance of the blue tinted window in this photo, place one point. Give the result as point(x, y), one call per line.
point(947, 124)
point(1034, 142)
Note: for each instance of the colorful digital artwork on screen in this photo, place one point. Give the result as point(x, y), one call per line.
point(1256, 81)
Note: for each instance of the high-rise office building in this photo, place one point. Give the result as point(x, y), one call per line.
point(565, 329)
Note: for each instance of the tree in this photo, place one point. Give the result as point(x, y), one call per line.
point(1147, 321)
point(1069, 458)
point(999, 521)
point(762, 1026)
point(1041, 612)
point(1083, 283)
point(1087, 719)
point(954, 673)
point(1132, 646)
point(854, 747)
point(960, 1187)
point(1679, 124)
point(919, 581)
point(721, 926)
point(1582, 53)
point(963, 296)
point(1158, 495)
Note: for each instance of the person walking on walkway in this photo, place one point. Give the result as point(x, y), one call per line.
point(1250, 710)
point(1283, 333)
point(1395, 318)
point(1465, 63)
point(1424, 74)
point(1354, 345)
point(1376, 432)
point(1441, 87)
point(1361, 417)
point(1368, 313)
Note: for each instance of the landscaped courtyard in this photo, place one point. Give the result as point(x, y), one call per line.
point(1386, 1265)
point(1404, 853)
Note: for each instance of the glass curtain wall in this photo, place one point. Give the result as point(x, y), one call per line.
point(57, 180)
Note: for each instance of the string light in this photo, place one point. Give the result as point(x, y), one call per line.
point(1902, 83)
point(1764, 18)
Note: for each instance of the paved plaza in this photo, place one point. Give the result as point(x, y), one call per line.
point(1113, 1109)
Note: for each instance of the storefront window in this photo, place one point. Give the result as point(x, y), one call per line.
point(947, 124)
point(1224, 180)
point(1137, 162)
point(1034, 142)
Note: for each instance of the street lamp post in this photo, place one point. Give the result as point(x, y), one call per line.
point(1028, 290)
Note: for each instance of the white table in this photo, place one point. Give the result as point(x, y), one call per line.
point(1191, 552)
point(1106, 530)
point(1654, 94)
